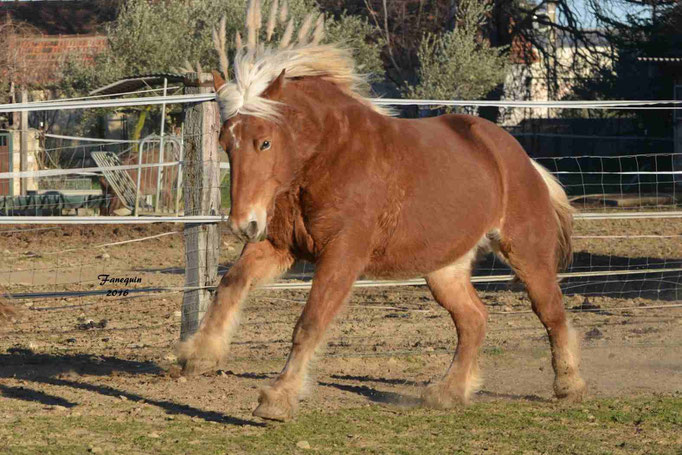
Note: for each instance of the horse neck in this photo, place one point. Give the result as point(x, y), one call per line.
point(319, 122)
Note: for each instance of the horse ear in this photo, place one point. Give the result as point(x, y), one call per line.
point(218, 80)
point(274, 90)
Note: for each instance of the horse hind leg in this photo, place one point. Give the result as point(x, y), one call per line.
point(533, 259)
point(452, 289)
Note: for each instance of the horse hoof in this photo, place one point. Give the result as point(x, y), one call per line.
point(274, 405)
point(193, 360)
point(439, 396)
point(194, 367)
point(571, 389)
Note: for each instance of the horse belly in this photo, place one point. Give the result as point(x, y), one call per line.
point(444, 214)
point(417, 255)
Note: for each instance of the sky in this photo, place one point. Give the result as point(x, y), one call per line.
point(619, 12)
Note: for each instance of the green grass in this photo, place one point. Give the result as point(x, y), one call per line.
point(493, 351)
point(225, 192)
point(603, 426)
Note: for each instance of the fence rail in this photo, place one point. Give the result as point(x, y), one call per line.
point(198, 217)
point(84, 103)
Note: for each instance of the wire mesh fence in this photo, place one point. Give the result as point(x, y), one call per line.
point(627, 240)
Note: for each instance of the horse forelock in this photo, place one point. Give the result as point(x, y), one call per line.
point(254, 71)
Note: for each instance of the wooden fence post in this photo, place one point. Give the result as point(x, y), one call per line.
point(23, 145)
point(201, 187)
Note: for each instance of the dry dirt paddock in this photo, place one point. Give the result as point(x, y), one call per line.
point(83, 372)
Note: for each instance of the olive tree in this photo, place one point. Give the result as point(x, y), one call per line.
point(459, 63)
point(151, 37)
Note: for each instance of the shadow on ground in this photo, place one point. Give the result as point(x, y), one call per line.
point(24, 364)
point(409, 401)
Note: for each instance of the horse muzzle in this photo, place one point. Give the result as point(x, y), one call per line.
point(254, 229)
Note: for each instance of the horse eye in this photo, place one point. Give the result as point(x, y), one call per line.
point(265, 145)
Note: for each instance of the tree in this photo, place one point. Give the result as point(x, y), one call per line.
point(14, 66)
point(590, 32)
point(459, 63)
point(154, 37)
point(150, 37)
point(635, 37)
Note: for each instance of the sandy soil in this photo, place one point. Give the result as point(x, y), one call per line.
point(88, 350)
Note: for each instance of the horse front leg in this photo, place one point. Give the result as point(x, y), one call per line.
point(259, 263)
point(332, 283)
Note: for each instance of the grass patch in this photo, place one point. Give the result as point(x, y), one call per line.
point(493, 351)
point(225, 200)
point(604, 426)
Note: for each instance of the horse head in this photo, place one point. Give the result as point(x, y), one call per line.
point(266, 131)
point(261, 155)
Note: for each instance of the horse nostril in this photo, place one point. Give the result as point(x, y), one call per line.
point(251, 229)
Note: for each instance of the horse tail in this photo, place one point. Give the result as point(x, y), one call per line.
point(563, 212)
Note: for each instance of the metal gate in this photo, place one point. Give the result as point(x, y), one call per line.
point(119, 180)
point(153, 181)
point(159, 187)
point(5, 163)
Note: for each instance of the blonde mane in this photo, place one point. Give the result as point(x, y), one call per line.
point(256, 65)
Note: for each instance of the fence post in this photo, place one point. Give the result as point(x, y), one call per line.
point(160, 171)
point(23, 145)
point(201, 180)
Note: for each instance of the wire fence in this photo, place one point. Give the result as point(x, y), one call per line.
point(630, 182)
point(621, 191)
point(361, 330)
point(634, 265)
point(103, 180)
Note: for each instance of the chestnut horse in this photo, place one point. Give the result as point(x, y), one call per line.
point(318, 173)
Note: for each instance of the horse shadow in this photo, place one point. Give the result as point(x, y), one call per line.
point(28, 394)
point(56, 370)
point(410, 401)
point(25, 364)
point(377, 396)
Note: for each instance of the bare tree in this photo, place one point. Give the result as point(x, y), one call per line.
point(549, 25)
point(14, 68)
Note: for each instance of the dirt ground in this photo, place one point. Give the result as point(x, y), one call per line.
point(85, 354)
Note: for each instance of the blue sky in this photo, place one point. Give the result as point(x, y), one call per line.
point(618, 11)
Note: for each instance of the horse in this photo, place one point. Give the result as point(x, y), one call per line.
point(319, 173)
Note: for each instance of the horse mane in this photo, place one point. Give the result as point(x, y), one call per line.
point(256, 65)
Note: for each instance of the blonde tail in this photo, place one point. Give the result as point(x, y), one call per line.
point(564, 216)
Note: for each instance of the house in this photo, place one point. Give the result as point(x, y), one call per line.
point(35, 38)
point(528, 78)
point(39, 35)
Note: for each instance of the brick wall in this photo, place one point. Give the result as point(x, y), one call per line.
point(42, 55)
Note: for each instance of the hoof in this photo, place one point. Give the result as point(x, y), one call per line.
point(274, 405)
point(194, 358)
point(570, 388)
point(194, 367)
point(439, 396)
